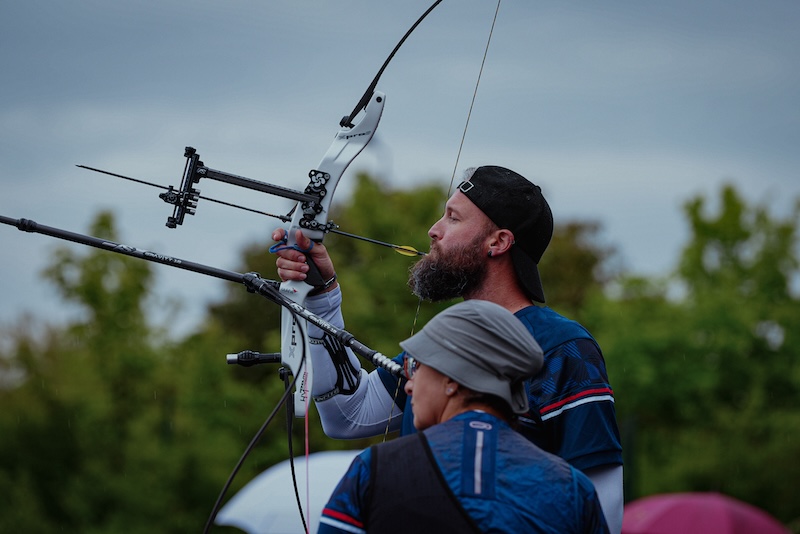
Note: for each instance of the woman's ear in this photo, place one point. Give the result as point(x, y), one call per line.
point(450, 387)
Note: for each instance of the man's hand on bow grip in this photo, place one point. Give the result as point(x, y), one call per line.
point(291, 264)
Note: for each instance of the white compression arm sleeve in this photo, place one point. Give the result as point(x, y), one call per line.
point(366, 411)
point(607, 482)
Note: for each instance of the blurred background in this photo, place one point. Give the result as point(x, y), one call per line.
point(664, 136)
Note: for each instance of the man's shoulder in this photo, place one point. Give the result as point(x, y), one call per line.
point(550, 328)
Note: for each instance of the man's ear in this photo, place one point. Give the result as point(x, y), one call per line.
point(501, 242)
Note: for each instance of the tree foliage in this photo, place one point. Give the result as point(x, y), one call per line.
point(576, 266)
point(110, 426)
point(708, 384)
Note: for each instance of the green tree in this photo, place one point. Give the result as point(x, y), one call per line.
point(106, 426)
point(576, 266)
point(711, 379)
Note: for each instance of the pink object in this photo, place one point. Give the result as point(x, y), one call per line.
point(697, 513)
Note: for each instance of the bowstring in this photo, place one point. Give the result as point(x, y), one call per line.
point(474, 96)
point(449, 191)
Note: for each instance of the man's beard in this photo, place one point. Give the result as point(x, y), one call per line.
point(446, 275)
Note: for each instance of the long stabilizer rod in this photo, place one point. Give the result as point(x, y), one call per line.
point(253, 281)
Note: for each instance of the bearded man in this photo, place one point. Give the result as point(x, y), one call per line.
point(486, 246)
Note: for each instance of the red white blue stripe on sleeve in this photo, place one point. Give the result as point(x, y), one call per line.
point(334, 521)
point(590, 395)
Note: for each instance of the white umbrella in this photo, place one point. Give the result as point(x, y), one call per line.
point(267, 504)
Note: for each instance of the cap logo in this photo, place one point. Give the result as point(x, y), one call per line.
point(465, 186)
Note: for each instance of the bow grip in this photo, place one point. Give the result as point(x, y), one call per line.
point(313, 276)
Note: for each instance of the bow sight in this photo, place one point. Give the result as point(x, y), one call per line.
point(186, 198)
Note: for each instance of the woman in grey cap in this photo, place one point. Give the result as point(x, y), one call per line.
point(467, 470)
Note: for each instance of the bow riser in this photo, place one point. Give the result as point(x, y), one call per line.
point(312, 219)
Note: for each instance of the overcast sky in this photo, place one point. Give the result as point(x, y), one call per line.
point(621, 111)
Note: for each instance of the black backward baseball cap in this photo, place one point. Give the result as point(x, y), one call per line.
point(514, 203)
